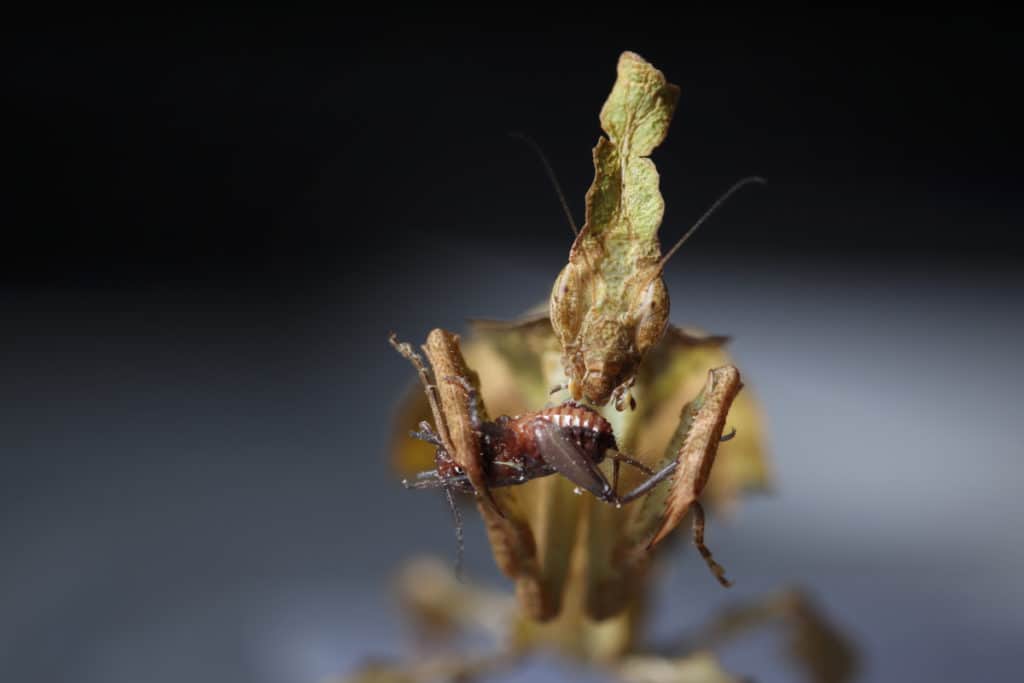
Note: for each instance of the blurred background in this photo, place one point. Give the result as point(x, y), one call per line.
point(210, 226)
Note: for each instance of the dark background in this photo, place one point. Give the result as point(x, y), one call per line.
point(209, 226)
point(271, 148)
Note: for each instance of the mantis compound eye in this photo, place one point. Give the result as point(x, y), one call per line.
point(650, 311)
point(567, 306)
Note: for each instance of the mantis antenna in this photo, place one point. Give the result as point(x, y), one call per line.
point(551, 176)
point(707, 214)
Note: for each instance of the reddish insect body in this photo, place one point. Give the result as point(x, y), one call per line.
point(512, 445)
point(569, 439)
point(514, 449)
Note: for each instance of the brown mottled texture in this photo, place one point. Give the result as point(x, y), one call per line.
point(445, 356)
point(515, 550)
point(609, 304)
point(706, 417)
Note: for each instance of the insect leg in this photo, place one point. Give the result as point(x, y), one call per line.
point(426, 433)
point(405, 350)
point(432, 480)
point(698, 540)
point(565, 456)
point(615, 477)
point(645, 487)
point(457, 519)
point(698, 521)
point(617, 456)
point(424, 480)
point(622, 395)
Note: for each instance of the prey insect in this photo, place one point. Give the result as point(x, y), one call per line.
point(570, 439)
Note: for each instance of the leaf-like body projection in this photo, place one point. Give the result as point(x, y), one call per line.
point(699, 434)
point(442, 349)
point(512, 540)
point(609, 304)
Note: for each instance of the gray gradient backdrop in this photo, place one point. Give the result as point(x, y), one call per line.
point(197, 488)
point(213, 225)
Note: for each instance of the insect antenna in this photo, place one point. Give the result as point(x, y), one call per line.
point(551, 176)
point(707, 214)
point(457, 519)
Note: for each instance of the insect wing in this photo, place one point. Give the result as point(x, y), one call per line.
point(568, 459)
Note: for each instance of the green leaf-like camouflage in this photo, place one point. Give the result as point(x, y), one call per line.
point(609, 304)
point(624, 204)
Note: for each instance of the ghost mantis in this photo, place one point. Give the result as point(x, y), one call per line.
point(580, 565)
point(475, 455)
